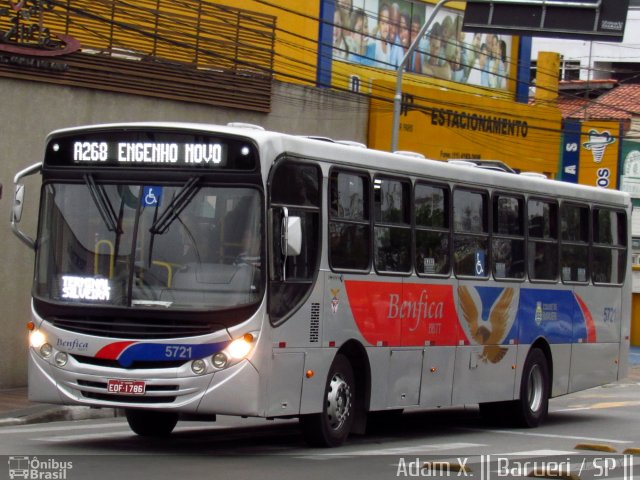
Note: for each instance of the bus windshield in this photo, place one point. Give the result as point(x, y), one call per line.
point(150, 246)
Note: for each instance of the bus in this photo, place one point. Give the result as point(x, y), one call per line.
point(184, 271)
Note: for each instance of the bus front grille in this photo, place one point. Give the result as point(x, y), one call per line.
point(138, 364)
point(107, 397)
point(135, 328)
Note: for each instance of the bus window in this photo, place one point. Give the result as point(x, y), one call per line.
point(543, 240)
point(574, 248)
point(296, 187)
point(609, 246)
point(432, 229)
point(470, 233)
point(349, 228)
point(508, 237)
point(392, 225)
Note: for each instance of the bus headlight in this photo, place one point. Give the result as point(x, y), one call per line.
point(219, 360)
point(198, 367)
point(37, 339)
point(45, 350)
point(240, 347)
point(61, 359)
point(237, 350)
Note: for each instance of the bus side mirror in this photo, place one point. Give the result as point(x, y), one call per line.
point(291, 235)
point(18, 204)
point(18, 199)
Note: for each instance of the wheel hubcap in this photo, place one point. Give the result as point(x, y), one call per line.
point(338, 402)
point(535, 388)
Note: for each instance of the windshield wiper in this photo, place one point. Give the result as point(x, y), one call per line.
point(175, 207)
point(103, 204)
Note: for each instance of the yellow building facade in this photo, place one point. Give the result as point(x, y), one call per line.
point(460, 88)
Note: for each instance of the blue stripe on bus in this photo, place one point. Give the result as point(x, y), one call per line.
point(157, 352)
point(552, 314)
point(555, 315)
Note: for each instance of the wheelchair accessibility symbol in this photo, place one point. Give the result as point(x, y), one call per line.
point(151, 196)
point(480, 264)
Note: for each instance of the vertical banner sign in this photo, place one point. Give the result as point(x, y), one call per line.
point(630, 175)
point(571, 151)
point(599, 153)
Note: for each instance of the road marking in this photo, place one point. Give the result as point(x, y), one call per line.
point(601, 405)
point(548, 435)
point(536, 453)
point(572, 409)
point(424, 449)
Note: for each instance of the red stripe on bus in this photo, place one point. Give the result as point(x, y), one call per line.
point(113, 350)
point(588, 320)
point(399, 314)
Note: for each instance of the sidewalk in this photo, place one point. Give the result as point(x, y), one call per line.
point(16, 409)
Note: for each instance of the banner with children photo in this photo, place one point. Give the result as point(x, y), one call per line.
point(378, 33)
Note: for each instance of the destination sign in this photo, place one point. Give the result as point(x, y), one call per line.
point(148, 152)
point(151, 149)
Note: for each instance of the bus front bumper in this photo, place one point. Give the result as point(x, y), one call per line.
point(232, 391)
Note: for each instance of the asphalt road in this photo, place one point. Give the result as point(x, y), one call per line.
point(420, 444)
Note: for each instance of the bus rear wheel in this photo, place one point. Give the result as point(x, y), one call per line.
point(532, 407)
point(149, 423)
point(331, 427)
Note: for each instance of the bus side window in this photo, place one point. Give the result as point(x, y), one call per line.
point(349, 221)
point(392, 240)
point(543, 239)
point(296, 186)
point(471, 233)
point(508, 237)
point(574, 243)
point(432, 229)
point(609, 246)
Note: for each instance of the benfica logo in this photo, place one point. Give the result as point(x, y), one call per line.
point(26, 33)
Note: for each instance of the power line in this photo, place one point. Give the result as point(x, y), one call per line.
point(305, 72)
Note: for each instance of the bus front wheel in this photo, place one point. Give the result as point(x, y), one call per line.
point(331, 427)
point(149, 423)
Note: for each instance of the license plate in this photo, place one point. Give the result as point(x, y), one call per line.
point(126, 387)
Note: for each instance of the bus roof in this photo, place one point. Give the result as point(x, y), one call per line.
point(352, 154)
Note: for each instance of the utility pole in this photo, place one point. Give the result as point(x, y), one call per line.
point(397, 99)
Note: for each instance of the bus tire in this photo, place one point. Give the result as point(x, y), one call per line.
point(149, 423)
point(331, 427)
point(532, 407)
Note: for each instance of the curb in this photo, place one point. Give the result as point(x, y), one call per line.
point(56, 413)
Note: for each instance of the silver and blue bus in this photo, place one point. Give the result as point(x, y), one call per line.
point(188, 270)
